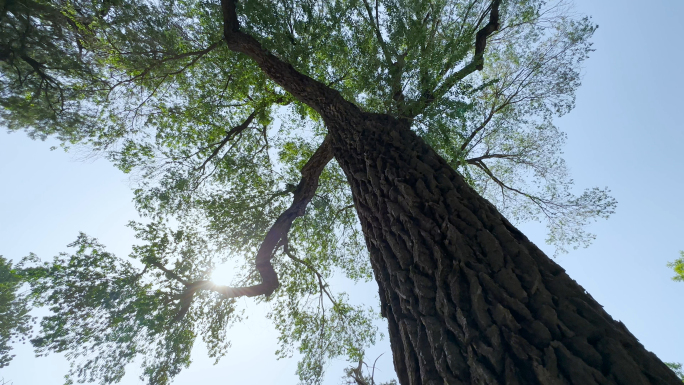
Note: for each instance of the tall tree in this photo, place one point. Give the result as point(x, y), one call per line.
point(400, 94)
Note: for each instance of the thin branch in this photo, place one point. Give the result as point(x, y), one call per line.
point(339, 79)
point(146, 71)
point(491, 156)
point(378, 33)
point(539, 202)
point(169, 273)
point(338, 212)
point(356, 374)
point(482, 166)
point(478, 129)
point(321, 281)
point(395, 67)
point(37, 67)
point(234, 131)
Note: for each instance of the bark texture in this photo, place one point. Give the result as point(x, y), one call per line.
point(468, 298)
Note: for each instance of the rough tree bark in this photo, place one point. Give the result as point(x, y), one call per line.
point(468, 298)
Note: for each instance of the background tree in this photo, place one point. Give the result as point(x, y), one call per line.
point(678, 266)
point(205, 176)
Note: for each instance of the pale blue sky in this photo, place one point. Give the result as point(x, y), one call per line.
point(625, 134)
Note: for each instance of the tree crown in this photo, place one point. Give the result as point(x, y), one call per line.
point(218, 151)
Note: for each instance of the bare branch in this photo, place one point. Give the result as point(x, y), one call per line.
point(321, 282)
point(482, 166)
point(356, 374)
point(478, 129)
point(539, 202)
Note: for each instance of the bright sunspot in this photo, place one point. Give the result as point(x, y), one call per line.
point(223, 274)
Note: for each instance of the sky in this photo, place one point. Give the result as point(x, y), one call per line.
point(625, 133)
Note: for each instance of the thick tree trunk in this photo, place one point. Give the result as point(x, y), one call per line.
point(469, 299)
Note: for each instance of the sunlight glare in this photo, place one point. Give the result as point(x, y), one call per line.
point(223, 274)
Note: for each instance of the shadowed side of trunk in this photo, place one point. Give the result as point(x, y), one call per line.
point(469, 299)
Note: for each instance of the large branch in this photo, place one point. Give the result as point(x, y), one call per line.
point(311, 92)
point(483, 34)
point(269, 278)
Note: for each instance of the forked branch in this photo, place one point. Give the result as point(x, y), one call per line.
point(356, 374)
